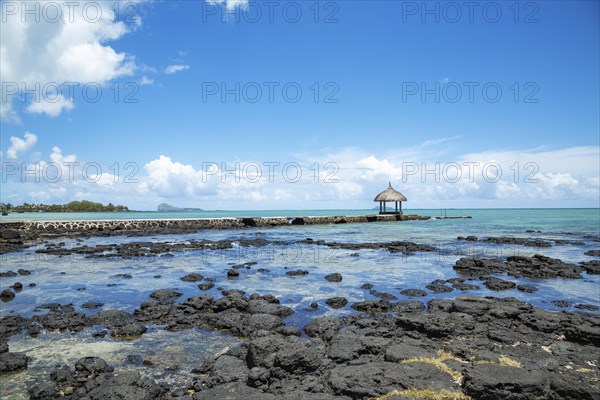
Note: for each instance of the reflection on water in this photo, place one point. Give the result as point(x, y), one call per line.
point(172, 354)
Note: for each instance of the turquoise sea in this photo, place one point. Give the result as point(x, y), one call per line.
point(74, 279)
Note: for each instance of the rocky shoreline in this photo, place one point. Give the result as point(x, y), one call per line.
point(469, 347)
point(14, 234)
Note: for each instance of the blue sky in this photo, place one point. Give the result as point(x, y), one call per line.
point(372, 59)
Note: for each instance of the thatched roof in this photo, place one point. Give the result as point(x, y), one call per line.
point(390, 194)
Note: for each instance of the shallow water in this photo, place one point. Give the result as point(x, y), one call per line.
point(172, 354)
point(75, 279)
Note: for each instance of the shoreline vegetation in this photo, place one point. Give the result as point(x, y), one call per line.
point(73, 206)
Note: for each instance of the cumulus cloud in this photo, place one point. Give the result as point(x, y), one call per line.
point(172, 69)
point(18, 145)
point(69, 48)
point(51, 108)
point(349, 178)
point(146, 81)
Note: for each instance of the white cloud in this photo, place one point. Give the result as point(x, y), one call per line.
point(171, 69)
point(564, 177)
point(19, 145)
point(71, 49)
point(229, 4)
point(57, 157)
point(168, 178)
point(146, 81)
point(51, 108)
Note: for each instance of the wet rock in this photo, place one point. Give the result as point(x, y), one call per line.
point(232, 273)
point(233, 391)
point(404, 351)
point(379, 378)
point(91, 305)
point(43, 391)
point(262, 306)
point(367, 286)
point(134, 359)
point(233, 292)
point(124, 276)
point(468, 238)
point(111, 318)
point(130, 331)
point(591, 267)
point(124, 385)
point(8, 274)
point(407, 248)
point(92, 366)
point(408, 306)
point(382, 295)
point(337, 302)
point(588, 307)
point(335, 277)
point(10, 362)
point(9, 234)
point(352, 344)
point(62, 318)
point(463, 287)
point(297, 272)
point(165, 295)
point(413, 293)
point(23, 272)
point(439, 286)
point(372, 306)
point(593, 253)
point(323, 327)
point(536, 267)
point(7, 295)
point(267, 297)
point(229, 369)
point(498, 284)
point(193, 277)
point(520, 241)
point(258, 377)
point(298, 357)
point(527, 288)
point(489, 381)
point(562, 303)
point(262, 351)
point(206, 286)
point(231, 302)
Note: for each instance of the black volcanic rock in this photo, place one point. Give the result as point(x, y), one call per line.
point(537, 267)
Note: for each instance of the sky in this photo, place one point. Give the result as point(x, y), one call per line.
point(243, 104)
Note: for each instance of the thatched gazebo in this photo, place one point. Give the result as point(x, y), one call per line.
point(390, 194)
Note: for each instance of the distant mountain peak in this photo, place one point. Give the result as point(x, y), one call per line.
point(164, 207)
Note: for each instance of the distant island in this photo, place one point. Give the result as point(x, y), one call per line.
point(74, 206)
point(164, 207)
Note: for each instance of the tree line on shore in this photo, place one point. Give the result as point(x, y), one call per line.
point(73, 206)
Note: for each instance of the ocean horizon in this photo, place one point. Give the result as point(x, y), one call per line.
point(136, 215)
